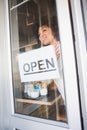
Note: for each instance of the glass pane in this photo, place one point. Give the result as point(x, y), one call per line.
point(37, 68)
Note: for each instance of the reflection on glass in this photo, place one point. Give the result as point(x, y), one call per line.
point(34, 41)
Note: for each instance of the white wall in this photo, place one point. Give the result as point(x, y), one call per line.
point(85, 12)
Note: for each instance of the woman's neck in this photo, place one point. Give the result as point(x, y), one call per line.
point(54, 41)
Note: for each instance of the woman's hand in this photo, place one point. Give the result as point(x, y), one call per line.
point(57, 49)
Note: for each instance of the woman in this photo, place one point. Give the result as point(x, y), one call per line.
point(48, 37)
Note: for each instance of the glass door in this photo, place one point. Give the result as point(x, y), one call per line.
point(44, 83)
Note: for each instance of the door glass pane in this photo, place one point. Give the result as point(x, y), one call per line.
point(36, 54)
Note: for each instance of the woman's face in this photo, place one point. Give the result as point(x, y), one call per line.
point(45, 35)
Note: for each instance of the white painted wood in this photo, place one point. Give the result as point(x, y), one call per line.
point(81, 53)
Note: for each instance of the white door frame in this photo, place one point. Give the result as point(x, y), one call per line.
point(81, 53)
point(71, 88)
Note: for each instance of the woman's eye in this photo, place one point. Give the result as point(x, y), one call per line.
point(44, 30)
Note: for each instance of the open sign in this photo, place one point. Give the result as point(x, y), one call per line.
point(39, 64)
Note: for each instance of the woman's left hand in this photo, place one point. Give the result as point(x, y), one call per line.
point(57, 49)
